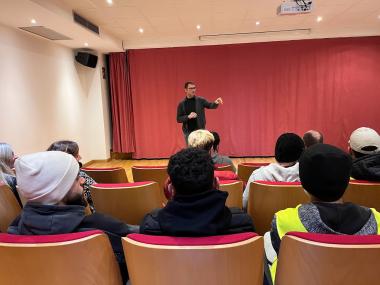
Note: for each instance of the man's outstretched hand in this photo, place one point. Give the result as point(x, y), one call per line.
point(219, 101)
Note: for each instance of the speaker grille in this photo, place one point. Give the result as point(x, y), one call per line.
point(85, 23)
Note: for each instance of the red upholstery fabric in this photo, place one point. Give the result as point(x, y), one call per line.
point(337, 239)
point(8, 238)
point(280, 183)
point(183, 241)
point(225, 175)
point(364, 182)
point(100, 168)
point(119, 185)
point(150, 167)
point(228, 181)
point(255, 163)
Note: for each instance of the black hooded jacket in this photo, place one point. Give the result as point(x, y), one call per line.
point(203, 214)
point(367, 167)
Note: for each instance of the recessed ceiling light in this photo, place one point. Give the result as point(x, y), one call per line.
point(109, 2)
point(198, 27)
point(141, 30)
point(86, 44)
point(257, 23)
point(319, 19)
point(33, 21)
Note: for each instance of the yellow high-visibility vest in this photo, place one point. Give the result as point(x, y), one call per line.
point(288, 221)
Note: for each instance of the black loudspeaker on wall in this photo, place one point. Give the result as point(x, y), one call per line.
point(86, 59)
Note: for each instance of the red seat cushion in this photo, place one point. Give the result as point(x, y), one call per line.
point(364, 182)
point(255, 164)
point(150, 167)
point(122, 185)
point(337, 239)
point(222, 182)
point(8, 238)
point(225, 175)
point(278, 182)
point(183, 241)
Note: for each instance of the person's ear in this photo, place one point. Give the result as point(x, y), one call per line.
point(216, 184)
point(169, 189)
point(350, 151)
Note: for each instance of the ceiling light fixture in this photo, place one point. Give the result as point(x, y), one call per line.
point(33, 21)
point(319, 19)
point(141, 30)
point(198, 27)
point(257, 23)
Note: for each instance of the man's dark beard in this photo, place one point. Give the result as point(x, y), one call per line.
point(78, 200)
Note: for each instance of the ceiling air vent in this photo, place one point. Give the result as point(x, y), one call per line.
point(85, 23)
point(45, 33)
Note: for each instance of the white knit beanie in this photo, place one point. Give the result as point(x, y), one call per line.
point(46, 177)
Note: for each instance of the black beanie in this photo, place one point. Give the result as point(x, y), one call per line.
point(325, 171)
point(289, 147)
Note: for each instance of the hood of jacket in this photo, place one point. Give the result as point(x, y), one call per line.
point(37, 219)
point(367, 167)
point(196, 215)
point(276, 172)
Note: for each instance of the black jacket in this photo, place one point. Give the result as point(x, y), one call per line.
point(203, 214)
point(367, 167)
point(200, 105)
point(37, 219)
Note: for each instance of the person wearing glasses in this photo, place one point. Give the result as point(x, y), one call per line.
point(191, 110)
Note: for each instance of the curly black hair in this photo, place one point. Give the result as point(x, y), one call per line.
point(191, 171)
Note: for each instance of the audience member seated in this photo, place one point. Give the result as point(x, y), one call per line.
point(72, 148)
point(325, 173)
point(216, 157)
point(202, 139)
point(364, 147)
point(197, 208)
point(51, 184)
point(289, 148)
point(312, 137)
point(7, 159)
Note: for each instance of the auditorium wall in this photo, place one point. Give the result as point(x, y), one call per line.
point(46, 96)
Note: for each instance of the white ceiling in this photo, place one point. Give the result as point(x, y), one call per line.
point(169, 23)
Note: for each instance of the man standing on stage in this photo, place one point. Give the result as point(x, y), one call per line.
point(191, 110)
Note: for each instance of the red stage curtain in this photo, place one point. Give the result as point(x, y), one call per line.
point(331, 85)
point(123, 133)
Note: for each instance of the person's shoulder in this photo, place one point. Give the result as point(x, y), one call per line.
point(240, 221)
point(150, 224)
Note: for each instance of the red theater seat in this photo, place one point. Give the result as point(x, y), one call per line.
point(158, 174)
point(307, 258)
point(9, 207)
point(107, 175)
point(227, 259)
point(76, 258)
point(224, 167)
point(129, 202)
point(266, 198)
point(364, 193)
point(245, 169)
point(235, 192)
